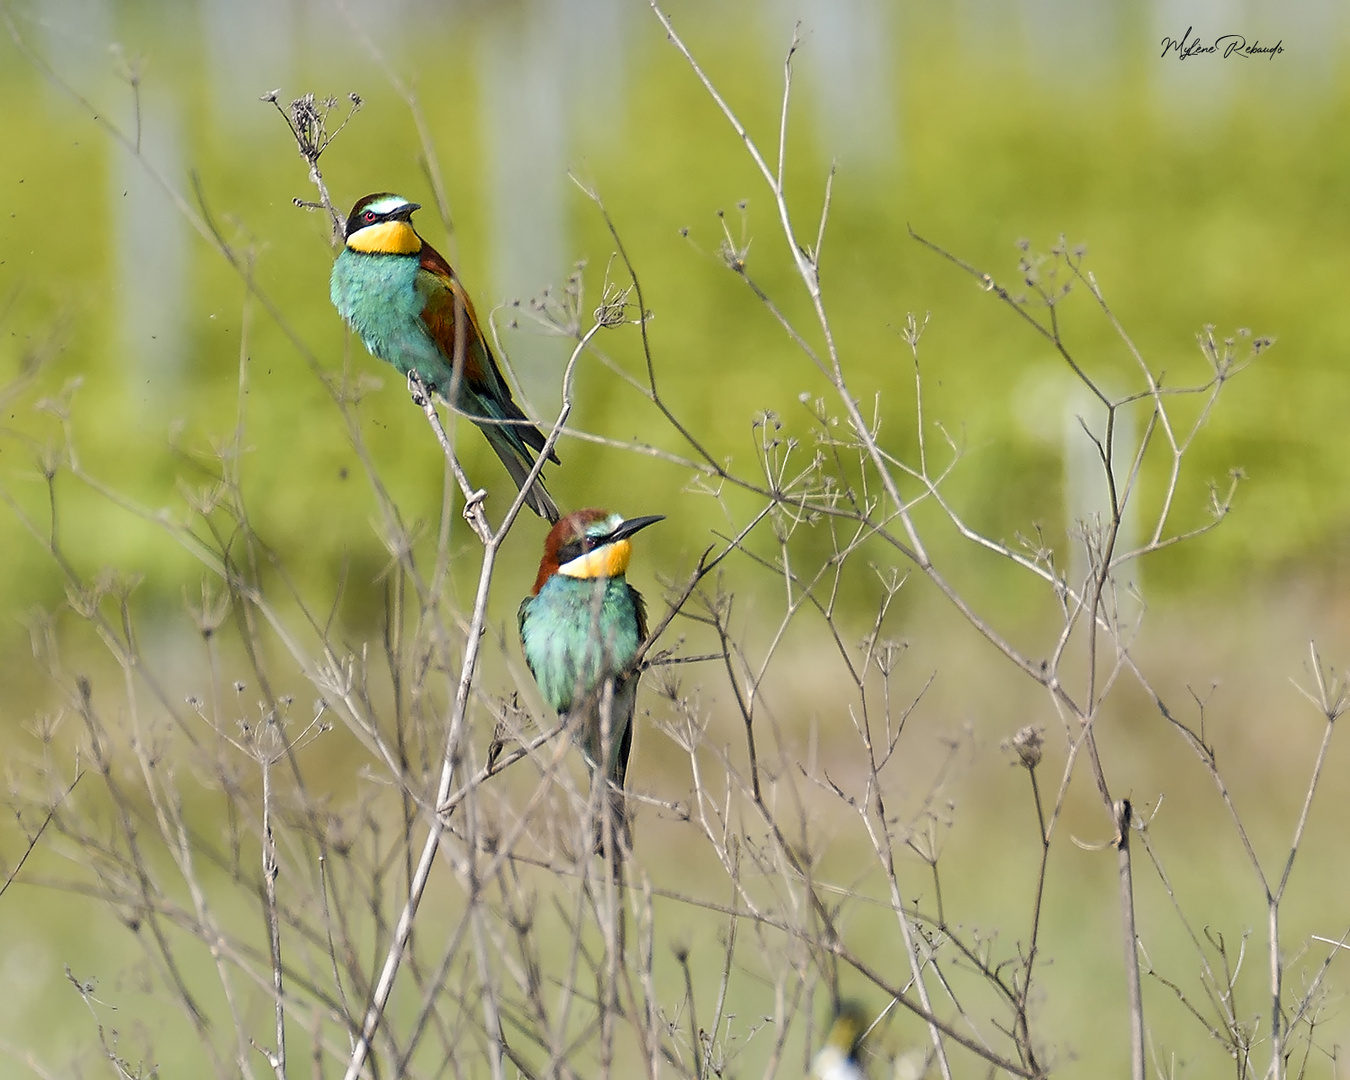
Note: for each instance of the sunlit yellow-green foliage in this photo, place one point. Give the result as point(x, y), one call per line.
point(1224, 212)
point(1217, 196)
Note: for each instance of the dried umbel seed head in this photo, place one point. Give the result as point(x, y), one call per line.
point(1028, 744)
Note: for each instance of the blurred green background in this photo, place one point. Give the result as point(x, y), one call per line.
point(1207, 191)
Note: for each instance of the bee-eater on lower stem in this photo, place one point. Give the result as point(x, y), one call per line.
point(580, 629)
point(409, 307)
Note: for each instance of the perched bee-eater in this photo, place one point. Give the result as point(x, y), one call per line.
point(404, 300)
point(580, 628)
point(837, 1059)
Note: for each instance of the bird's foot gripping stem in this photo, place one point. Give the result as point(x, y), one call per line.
point(418, 390)
point(473, 502)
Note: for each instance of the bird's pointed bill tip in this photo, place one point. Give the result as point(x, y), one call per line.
point(632, 525)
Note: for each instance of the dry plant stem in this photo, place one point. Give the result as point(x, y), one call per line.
point(1106, 561)
point(1103, 561)
point(473, 501)
point(913, 549)
point(1178, 447)
point(709, 462)
point(335, 677)
point(836, 948)
point(682, 958)
point(277, 1058)
point(312, 138)
point(650, 1006)
point(1315, 985)
point(826, 939)
point(331, 675)
point(203, 224)
point(1137, 1060)
point(1021, 1004)
point(173, 830)
point(879, 979)
point(454, 738)
point(144, 885)
point(807, 267)
point(491, 871)
point(871, 810)
point(1224, 369)
point(332, 952)
point(434, 984)
point(33, 840)
point(491, 1015)
point(807, 263)
point(728, 953)
point(1222, 1000)
point(886, 855)
point(812, 911)
point(1331, 700)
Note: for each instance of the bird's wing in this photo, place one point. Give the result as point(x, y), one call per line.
point(446, 302)
point(521, 615)
point(640, 609)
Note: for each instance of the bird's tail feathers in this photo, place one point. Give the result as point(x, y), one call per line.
point(611, 824)
point(620, 701)
point(616, 807)
point(529, 433)
point(522, 429)
point(519, 465)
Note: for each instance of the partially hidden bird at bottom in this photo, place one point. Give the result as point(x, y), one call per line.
point(580, 629)
point(411, 310)
point(838, 1057)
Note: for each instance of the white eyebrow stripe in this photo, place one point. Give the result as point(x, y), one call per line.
point(385, 206)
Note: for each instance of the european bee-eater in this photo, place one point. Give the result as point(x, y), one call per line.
point(837, 1059)
point(404, 300)
point(580, 628)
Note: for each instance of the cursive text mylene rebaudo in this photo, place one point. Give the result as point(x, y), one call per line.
point(1225, 46)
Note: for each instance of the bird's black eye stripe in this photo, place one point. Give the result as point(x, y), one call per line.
point(574, 550)
point(579, 547)
point(584, 546)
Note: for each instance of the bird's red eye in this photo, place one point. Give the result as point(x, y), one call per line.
point(369, 216)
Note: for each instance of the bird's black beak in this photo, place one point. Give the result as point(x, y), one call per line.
point(632, 525)
point(407, 211)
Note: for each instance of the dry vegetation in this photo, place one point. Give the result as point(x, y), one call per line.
point(450, 919)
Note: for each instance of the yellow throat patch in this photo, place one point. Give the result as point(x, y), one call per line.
point(386, 238)
point(604, 562)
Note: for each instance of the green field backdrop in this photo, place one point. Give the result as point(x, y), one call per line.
point(1206, 191)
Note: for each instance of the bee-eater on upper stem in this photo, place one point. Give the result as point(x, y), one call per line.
point(580, 628)
point(409, 307)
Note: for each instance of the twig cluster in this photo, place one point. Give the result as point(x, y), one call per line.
point(444, 914)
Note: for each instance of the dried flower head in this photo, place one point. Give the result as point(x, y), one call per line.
point(1028, 744)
